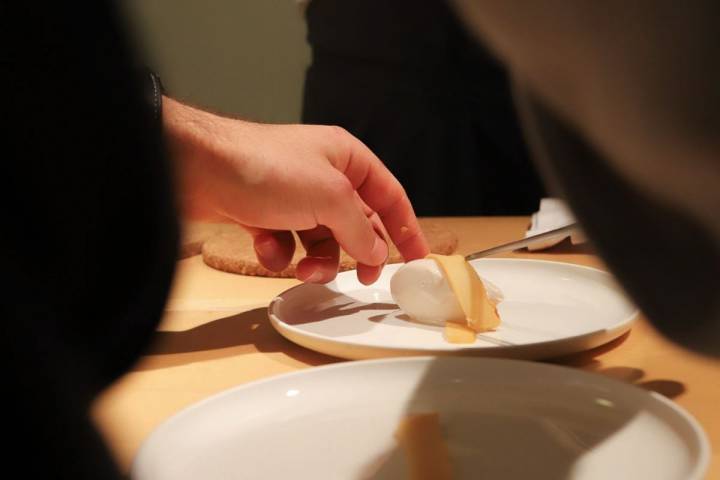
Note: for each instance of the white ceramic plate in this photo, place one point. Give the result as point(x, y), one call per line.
point(501, 419)
point(550, 309)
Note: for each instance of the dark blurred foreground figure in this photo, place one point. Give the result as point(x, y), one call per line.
point(89, 248)
point(90, 238)
point(621, 103)
point(405, 78)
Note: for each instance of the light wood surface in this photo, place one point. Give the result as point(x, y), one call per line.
point(216, 335)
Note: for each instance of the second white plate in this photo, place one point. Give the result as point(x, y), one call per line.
point(501, 419)
point(550, 309)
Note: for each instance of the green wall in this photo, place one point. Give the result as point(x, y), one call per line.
point(245, 58)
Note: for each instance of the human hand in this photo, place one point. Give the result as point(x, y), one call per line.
point(319, 181)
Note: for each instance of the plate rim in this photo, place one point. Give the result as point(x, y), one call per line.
point(615, 331)
point(422, 361)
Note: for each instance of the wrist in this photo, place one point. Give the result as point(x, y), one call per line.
point(192, 132)
point(206, 150)
point(192, 135)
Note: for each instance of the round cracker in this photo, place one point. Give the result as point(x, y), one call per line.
point(195, 234)
point(232, 251)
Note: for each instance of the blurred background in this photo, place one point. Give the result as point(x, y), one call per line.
point(245, 58)
point(404, 78)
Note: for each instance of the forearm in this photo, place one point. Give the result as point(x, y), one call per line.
point(198, 141)
point(191, 133)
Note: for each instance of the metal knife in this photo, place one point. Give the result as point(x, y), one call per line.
point(517, 244)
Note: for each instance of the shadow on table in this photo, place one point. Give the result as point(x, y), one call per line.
point(668, 388)
point(251, 331)
point(233, 335)
point(587, 360)
point(587, 357)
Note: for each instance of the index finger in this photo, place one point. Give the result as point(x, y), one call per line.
point(382, 192)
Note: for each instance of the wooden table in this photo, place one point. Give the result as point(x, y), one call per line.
point(216, 335)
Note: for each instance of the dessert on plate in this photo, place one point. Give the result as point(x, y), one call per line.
point(445, 290)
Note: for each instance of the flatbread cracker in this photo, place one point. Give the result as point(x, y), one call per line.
point(232, 251)
point(195, 234)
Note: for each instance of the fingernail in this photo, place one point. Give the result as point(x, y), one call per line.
point(366, 280)
point(380, 251)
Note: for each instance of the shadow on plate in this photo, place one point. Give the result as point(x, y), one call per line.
point(513, 436)
point(319, 303)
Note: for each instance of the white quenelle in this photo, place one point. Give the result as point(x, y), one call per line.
point(421, 290)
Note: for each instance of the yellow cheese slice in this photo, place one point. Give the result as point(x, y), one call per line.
point(480, 313)
point(459, 333)
point(420, 437)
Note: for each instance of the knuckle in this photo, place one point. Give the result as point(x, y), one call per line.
point(338, 131)
point(339, 188)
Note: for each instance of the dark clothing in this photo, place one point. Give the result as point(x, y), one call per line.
point(404, 78)
point(668, 262)
point(621, 103)
point(89, 245)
